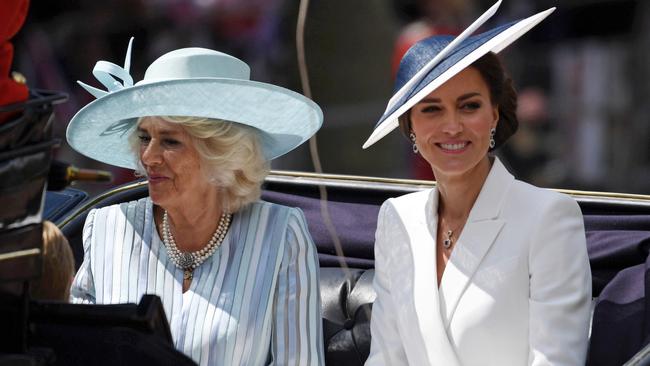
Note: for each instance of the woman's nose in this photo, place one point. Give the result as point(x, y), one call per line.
point(151, 154)
point(453, 125)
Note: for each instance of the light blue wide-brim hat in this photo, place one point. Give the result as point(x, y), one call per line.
point(193, 82)
point(432, 61)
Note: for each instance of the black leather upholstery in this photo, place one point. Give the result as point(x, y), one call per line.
point(347, 296)
point(119, 334)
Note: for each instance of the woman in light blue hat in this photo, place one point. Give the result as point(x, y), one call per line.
point(483, 269)
point(238, 277)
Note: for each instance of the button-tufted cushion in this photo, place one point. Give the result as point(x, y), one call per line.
point(347, 296)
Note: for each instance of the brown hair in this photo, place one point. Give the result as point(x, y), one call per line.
point(58, 266)
point(502, 94)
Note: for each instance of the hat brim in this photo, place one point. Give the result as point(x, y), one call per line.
point(284, 119)
point(492, 41)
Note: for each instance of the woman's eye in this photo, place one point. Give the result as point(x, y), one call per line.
point(471, 106)
point(430, 109)
point(144, 139)
point(171, 142)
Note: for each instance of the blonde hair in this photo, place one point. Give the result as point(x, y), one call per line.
point(231, 155)
point(57, 265)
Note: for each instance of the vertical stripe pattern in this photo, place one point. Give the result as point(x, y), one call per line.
point(254, 302)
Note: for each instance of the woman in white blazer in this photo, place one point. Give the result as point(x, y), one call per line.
point(483, 269)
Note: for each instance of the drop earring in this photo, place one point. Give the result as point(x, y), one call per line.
point(415, 147)
point(493, 143)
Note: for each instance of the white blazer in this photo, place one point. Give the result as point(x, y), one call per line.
point(516, 289)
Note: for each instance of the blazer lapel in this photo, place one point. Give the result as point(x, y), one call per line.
point(481, 229)
point(425, 289)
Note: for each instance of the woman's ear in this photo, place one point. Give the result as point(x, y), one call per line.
point(495, 115)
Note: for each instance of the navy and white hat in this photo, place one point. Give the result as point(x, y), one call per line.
point(432, 61)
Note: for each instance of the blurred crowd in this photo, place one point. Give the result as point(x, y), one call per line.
point(583, 85)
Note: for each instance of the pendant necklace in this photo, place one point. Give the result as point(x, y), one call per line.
point(449, 235)
point(448, 240)
point(188, 261)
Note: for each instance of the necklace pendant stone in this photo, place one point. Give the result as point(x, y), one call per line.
point(187, 275)
point(446, 243)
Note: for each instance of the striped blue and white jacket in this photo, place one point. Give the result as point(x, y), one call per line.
point(254, 302)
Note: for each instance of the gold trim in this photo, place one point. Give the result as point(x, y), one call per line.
point(18, 77)
point(343, 177)
point(624, 196)
point(432, 183)
point(20, 254)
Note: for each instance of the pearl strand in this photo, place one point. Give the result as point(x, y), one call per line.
point(188, 261)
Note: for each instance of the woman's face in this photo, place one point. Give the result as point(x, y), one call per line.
point(171, 162)
point(452, 124)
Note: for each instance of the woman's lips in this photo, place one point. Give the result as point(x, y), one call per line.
point(154, 178)
point(453, 147)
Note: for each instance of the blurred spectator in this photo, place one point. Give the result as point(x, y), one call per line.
point(58, 266)
point(528, 154)
point(431, 17)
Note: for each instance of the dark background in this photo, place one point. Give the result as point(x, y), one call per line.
point(582, 75)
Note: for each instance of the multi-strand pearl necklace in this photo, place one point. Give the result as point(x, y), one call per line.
point(188, 261)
